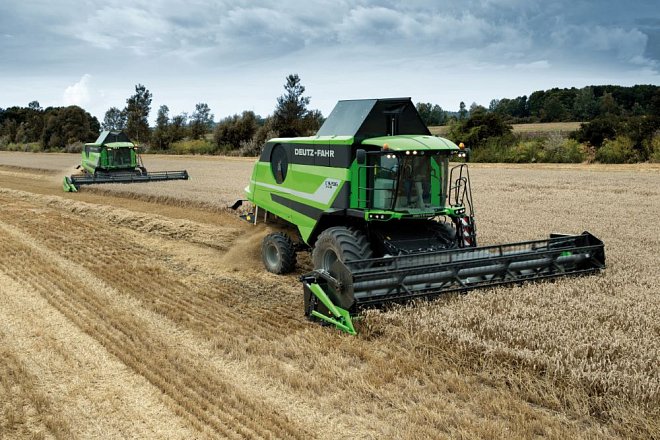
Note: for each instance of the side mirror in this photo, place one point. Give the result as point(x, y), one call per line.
point(361, 156)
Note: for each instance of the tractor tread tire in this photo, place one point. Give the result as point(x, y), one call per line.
point(447, 232)
point(286, 253)
point(351, 243)
point(347, 244)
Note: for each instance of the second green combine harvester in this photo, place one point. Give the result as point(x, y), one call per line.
point(386, 218)
point(113, 158)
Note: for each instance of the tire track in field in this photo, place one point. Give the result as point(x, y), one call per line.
point(136, 270)
point(251, 333)
point(118, 337)
point(91, 390)
point(25, 411)
point(194, 389)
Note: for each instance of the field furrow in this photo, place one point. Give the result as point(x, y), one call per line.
point(139, 269)
point(194, 387)
point(25, 411)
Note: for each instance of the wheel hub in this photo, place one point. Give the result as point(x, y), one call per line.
point(272, 255)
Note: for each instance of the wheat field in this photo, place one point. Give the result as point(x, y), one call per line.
point(143, 311)
point(539, 128)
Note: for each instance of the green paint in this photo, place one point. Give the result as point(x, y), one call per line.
point(340, 318)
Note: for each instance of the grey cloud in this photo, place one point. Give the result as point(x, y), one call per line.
point(516, 30)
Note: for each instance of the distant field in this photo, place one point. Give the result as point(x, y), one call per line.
point(545, 127)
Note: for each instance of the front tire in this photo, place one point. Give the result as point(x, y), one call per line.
point(446, 234)
point(278, 253)
point(343, 244)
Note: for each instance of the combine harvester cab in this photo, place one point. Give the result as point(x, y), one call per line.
point(113, 158)
point(386, 217)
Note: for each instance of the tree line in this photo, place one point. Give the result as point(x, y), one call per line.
point(244, 133)
point(619, 124)
point(559, 105)
point(51, 128)
point(623, 120)
point(66, 128)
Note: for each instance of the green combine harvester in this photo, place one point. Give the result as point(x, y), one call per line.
point(113, 158)
point(386, 218)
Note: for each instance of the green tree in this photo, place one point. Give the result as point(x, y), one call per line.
point(312, 122)
point(535, 104)
point(22, 124)
point(201, 120)
point(462, 111)
point(608, 105)
point(9, 129)
point(478, 128)
point(431, 114)
point(291, 117)
point(160, 138)
point(553, 110)
point(585, 106)
point(34, 124)
point(474, 107)
point(137, 114)
point(67, 125)
point(21, 137)
point(637, 109)
point(597, 131)
point(178, 129)
point(234, 130)
point(114, 119)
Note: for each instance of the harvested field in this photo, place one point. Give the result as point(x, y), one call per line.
point(536, 129)
point(143, 311)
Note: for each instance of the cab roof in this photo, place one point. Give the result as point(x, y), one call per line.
point(113, 139)
point(412, 143)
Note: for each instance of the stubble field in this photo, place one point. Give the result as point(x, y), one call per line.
point(143, 311)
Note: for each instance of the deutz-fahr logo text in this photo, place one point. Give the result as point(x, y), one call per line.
point(312, 152)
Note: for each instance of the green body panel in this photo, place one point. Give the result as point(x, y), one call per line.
point(311, 190)
point(340, 318)
point(68, 186)
point(109, 157)
point(307, 188)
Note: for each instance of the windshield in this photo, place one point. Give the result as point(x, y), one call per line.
point(119, 157)
point(404, 182)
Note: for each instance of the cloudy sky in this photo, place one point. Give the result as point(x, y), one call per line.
point(235, 55)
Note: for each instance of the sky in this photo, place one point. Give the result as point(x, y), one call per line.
point(235, 55)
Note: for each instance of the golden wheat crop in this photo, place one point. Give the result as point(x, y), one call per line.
point(142, 310)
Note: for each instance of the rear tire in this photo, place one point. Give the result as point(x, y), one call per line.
point(278, 253)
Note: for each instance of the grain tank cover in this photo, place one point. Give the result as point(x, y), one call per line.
point(108, 137)
point(367, 118)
